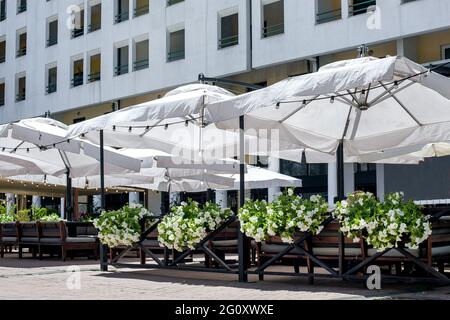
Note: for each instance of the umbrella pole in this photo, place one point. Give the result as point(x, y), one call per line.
point(103, 248)
point(69, 202)
point(243, 243)
point(340, 197)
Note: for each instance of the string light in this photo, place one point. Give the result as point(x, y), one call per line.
point(186, 124)
point(332, 99)
point(114, 128)
point(130, 129)
point(166, 126)
point(396, 85)
point(277, 106)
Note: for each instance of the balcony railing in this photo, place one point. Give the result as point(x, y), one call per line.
point(2, 101)
point(22, 8)
point(121, 17)
point(141, 64)
point(327, 16)
point(93, 77)
point(2, 59)
point(141, 11)
point(2, 16)
point(361, 7)
point(171, 2)
point(51, 88)
point(121, 69)
point(175, 55)
point(273, 30)
point(94, 27)
point(21, 52)
point(52, 41)
point(228, 41)
point(20, 96)
point(77, 80)
point(77, 32)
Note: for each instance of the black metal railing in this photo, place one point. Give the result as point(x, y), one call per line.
point(77, 32)
point(2, 16)
point(175, 55)
point(171, 2)
point(228, 41)
point(2, 101)
point(22, 8)
point(52, 41)
point(51, 87)
point(141, 11)
point(361, 7)
point(21, 52)
point(93, 77)
point(20, 96)
point(121, 17)
point(273, 30)
point(141, 64)
point(77, 80)
point(94, 27)
point(121, 69)
point(327, 16)
point(2, 59)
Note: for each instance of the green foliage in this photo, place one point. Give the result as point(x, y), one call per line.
point(23, 215)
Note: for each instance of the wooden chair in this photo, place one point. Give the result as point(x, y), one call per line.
point(8, 237)
point(438, 245)
point(28, 238)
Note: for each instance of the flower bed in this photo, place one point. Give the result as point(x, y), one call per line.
point(122, 227)
point(189, 223)
point(284, 217)
point(383, 225)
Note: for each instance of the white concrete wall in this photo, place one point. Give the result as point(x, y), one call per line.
point(302, 38)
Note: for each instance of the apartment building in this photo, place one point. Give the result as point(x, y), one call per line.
point(80, 59)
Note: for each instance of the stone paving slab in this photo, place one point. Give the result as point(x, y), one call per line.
point(53, 279)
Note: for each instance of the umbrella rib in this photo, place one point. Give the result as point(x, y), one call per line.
point(297, 110)
point(385, 95)
point(18, 146)
point(403, 106)
point(347, 101)
point(149, 129)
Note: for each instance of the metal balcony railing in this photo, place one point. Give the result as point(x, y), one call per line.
point(52, 41)
point(2, 101)
point(141, 64)
point(361, 7)
point(228, 41)
point(93, 77)
point(327, 16)
point(172, 2)
point(51, 88)
point(77, 80)
point(77, 32)
point(22, 8)
point(21, 52)
point(141, 11)
point(2, 59)
point(2, 16)
point(121, 69)
point(175, 55)
point(121, 17)
point(94, 27)
point(273, 30)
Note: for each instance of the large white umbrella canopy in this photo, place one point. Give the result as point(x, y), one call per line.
point(369, 104)
point(43, 142)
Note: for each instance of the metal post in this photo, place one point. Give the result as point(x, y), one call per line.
point(340, 197)
point(209, 195)
point(243, 243)
point(103, 248)
point(69, 198)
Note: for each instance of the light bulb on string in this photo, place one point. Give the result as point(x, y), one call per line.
point(332, 99)
point(166, 126)
point(186, 123)
point(277, 106)
point(395, 85)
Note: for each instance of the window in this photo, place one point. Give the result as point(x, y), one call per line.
point(95, 62)
point(357, 7)
point(176, 46)
point(273, 18)
point(141, 55)
point(52, 32)
point(95, 16)
point(21, 43)
point(328, 10)
point(2, 49)
point(21, 83)
point(2, 92)
point(77, 72)
point(141, 7)
point(446, 52)
point(78, 23)
point(2, 10)
point(52, 77)
point(172, 2)
point(121, 11)
point(122, 56)
point(229, 31)
point(21, 6)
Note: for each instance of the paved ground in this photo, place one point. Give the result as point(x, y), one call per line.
point(52, 279)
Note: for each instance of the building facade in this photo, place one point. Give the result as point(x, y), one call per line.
point(80, 59)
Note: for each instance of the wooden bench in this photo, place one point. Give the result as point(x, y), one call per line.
point(28, 238)
point(8, 236)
